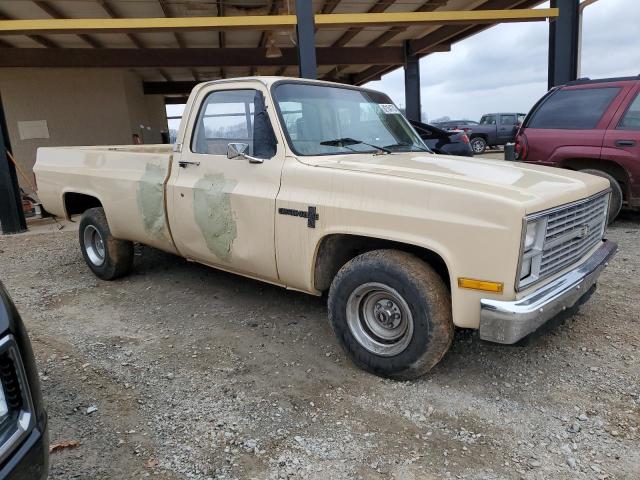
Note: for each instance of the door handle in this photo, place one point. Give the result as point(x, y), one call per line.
point(625, 143)
point(185, 163)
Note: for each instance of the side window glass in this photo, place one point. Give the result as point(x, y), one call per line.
point(488, 120)
point(508, 120)
point(631, 119)
point(574, 109)
point(232, 116)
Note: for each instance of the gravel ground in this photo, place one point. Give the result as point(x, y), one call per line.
point(198, 374)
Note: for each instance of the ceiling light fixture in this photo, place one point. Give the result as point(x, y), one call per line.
point(272, 50)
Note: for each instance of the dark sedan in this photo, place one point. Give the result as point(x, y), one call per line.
point(24, 443)
point(464, 125)
point(442, 141)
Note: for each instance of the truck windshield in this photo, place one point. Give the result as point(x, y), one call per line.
point(315, 116)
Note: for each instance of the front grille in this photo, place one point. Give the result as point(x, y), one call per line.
point(571, 233)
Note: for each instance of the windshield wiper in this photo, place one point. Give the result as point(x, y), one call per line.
point(422, 149)
point(347, 142)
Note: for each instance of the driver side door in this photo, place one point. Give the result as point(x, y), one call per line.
point(222, 210)
point(506, 129)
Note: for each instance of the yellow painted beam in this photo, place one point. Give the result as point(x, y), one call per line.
point(437, 18)
point(268, 22)
point(122, 25)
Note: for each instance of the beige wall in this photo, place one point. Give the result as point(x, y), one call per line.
point(144, 116)
point(81, 107)
point(157, 113)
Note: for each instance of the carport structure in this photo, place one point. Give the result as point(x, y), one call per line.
point(168, 46)
point(171, 41)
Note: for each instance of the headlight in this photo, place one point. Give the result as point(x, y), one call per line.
point(530, 235)
point(533, 235)
point(532, 241)
point(16, 409)
point(4, 408)
point(525, 269)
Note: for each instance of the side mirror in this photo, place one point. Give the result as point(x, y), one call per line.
point(235, 150)
point(238, 151)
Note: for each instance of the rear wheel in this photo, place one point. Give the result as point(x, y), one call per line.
point(615, 204)
point(478, 145)
point(108, 257)
point(391, 313)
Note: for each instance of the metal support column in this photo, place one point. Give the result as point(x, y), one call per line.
point(412, 85)
point(584, 4)
point(11, 215)
point(564, 34)
point(305, 30)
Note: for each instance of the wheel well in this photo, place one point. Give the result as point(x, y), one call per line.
point(479, 135)
point(77, 203)
point(615, 170)
point(337, 249)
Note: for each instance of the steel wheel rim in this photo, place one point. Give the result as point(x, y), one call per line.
point(379, 319)
point(94, 245)
point(477, 146)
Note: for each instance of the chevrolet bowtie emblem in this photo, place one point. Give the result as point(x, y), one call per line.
point(584, 230)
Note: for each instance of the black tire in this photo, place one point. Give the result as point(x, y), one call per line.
point(422, 291)
point(478, 145)
point(115, 257)
point(615, 204)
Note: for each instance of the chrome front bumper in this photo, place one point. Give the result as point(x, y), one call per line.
point(508, 322)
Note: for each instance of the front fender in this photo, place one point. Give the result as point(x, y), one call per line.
point(477, 234)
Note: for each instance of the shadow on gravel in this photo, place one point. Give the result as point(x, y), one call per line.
point(627, 216)
point(283, 308)
point(257, 304)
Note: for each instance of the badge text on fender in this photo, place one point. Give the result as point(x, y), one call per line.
point(311, 215)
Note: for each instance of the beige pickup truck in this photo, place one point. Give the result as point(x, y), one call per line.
point(321, 187)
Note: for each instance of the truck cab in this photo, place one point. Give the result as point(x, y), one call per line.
point(495, 129)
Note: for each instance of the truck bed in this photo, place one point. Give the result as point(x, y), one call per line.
point(128, 181)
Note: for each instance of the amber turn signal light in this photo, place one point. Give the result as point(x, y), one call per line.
point(483, 285)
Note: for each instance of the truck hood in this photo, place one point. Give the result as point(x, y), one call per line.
point(532, 186)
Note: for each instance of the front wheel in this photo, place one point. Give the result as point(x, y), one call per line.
point(107, 257)
point(478, 145)
point(391, 313)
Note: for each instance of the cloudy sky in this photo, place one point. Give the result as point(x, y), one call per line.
point(505, 68)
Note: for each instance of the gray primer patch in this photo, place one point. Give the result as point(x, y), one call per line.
point(213, 214)
point(151, 200)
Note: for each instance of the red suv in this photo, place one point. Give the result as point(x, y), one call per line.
point(592, 126)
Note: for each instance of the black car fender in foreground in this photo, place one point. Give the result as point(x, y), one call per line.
point(24, 443)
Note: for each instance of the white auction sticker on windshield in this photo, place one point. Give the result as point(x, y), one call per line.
point(389, 108)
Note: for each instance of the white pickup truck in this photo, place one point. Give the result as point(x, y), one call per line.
point(321, 187)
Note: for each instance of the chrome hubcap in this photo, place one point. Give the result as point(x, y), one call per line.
point(379, 319)
point(94, 245)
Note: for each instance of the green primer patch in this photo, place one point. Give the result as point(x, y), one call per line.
point(151, 200)
point(213, 213)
